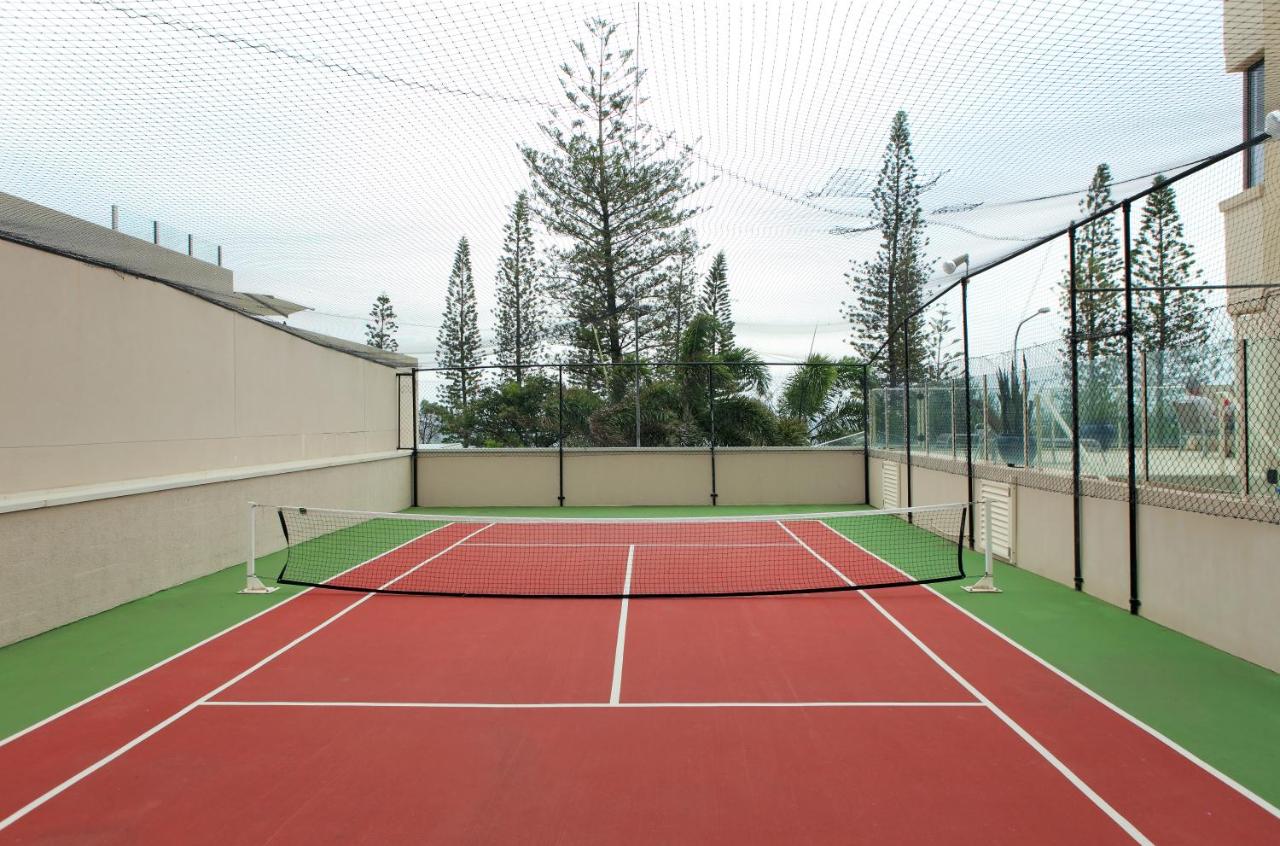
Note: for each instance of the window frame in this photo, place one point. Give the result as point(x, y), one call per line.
point(1254, 75)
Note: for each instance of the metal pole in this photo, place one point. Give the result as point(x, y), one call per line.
point(191, 244)
point(636, 323)
point(1146, 420)
point(951, 409)
point(906, 405)
point(560, 433)
point(253, 584)
point(925, 415)
point(1134, 601)
point(219, 255)
point(413, 374)
point(1244, 410)
point(1075, 412)
point(711, 401)
point(155, 232)
point(968, 397)
point(986, 426)
point(866, 436)
point(115, 216)
point(1026, 413)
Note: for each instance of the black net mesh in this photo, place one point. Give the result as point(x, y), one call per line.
point(482, 556)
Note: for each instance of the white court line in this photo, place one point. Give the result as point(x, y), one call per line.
point(1079, 783)
point(201, 643)
point(622, 544)
point(1188, 755)
point(227, 703)
point(615, 692)
point(102, 762)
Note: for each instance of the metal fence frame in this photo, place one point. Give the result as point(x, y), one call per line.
point(902, 327)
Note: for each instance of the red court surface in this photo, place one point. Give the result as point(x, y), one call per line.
point(344, 717)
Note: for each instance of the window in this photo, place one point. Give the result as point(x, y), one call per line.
point(1254, 115)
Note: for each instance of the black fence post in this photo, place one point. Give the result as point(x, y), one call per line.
point(1074, 352)
point(968, 400)
point(711, 403)
point(413, 472)
point(1244, 412)
point(1134, 601)
point(560, 433)
point(866, 437)
point(906, 405)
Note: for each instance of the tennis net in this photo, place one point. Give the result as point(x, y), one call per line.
point(554, 557)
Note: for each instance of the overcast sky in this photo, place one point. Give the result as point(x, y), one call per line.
point(339, 149)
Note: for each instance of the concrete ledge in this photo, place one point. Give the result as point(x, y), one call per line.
point(28, 500)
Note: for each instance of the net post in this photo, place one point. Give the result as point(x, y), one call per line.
point(987, 582)
point(253, 584)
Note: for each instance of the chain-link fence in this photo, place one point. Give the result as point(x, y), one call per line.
point(1162, 386)
point(650, 404)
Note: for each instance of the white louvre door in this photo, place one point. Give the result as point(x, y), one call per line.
point(998, 497)
point(889, 487)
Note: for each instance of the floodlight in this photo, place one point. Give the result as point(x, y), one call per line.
point(950, 266)
point(1272, 124)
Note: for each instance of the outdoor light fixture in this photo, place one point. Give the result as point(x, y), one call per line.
point(950, 266)
point(1272, 124)
point(1042, 310)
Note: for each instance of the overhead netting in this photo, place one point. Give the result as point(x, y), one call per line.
point(336, 150)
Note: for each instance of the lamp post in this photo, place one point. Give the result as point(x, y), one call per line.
point(1042, 310)
point(1026, 396)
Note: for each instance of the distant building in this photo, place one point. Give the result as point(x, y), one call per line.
point(1251, 225)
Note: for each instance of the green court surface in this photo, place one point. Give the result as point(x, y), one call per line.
point(1221, 708)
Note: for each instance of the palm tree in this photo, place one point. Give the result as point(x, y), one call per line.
point(824, 397)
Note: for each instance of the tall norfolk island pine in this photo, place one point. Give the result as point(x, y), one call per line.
point(458, 342)
point(1166, 319)
point(1100, 312)
point(715, 302)
point(677, 296)
point(381, 333)
point(890, 286)
point(609, 188)
point(521, 312)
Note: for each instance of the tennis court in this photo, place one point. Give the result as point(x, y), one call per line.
point(834, 715)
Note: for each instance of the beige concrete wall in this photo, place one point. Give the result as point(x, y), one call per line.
point(1104, 549)
point(1244, 32)
point(933, 487)
point(789, 477)
point(1213, 578)
point(108, 377)
point(453, 477)
point(62, 563)
point(639, 477)
point(1043, 534)
point(875, 480)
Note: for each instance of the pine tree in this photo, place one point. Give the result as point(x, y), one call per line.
point(381, 333)
point(890, 287)
point(715, 301)
point(1100, 311)
point(458, 342)
point(1166, 319)
point(939, 366)
point(610, 188)
point(677, 296)
point(1170, 318)
point(521, 313)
